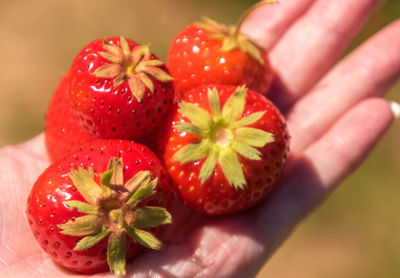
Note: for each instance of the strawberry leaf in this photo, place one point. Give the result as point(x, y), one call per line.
point(146, 81)
point(159, 74)
point(208, 166)
point(83, 181)
point(115, 164)
point(112, 48)
point(246, 151)
point(105, 180)
point(137, 87)
point(82, 207)
point(231, 168)
point(116, 254)
point(147, 217)
point(250, 48)
point(251, 119)
point(81, 226)
point(140, 180)
point(213, 100)
point(190, 128)
point(125, 47)
point(107, 71)
point(253, 137)
point(193, 152)
point(234, 106)
point(144, 238)
point(143, 192)
point(228, 44)
point(110, 57)
point(90, 241)
point(195, 114)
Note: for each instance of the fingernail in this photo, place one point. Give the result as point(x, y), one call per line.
point(395, 109)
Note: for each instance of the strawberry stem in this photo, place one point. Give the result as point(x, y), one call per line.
point(248, 12)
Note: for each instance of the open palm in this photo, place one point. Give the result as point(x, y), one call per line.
point(335, 116)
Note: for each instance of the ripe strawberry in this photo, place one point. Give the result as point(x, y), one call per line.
point(103, 212)
point(63, 133)
point(119, 89)
point(225, 149)
point(211, 53)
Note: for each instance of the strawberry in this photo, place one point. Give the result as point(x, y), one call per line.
point(225, 148)
point(207, 52)
point(119, 89)
point(96, 208)
point(63, 133)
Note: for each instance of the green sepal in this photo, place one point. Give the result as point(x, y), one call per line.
point(251, 119)
point(196, 115)
point(137, 87)
point(82, 207)
point(81, 226)
point(246, 151)
point(191, 128)
point(153, 63)
point(125, 47)
point(116, 254)
point(148, 216)
point(142, 193)
point(211, 25)
point(213, 100)
point(107, 71)
point(112, 48)
point(144, 238)
point(137, 181)
point(209, 165)
point(84, 182)
point(250, 48)
point(117, 177)
point(234, 106)
point(159, 74)
point(110, 57)
point(231, 168)
point(147, 81)
point(253, 137)
point(105, 180)
point(231, 38)
point(193, 152)
point(228, 44)
point(90, 241)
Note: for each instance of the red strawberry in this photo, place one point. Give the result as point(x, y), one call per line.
point(211, 53)
point(63, 132)
point(226, 148)
point(89, 228)
point(119, 89)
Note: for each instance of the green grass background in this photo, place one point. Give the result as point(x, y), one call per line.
point(356, 233)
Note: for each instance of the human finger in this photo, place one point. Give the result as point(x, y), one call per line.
point(311, 177)
point(269, 22)
point(313, 44)
point(368, 71)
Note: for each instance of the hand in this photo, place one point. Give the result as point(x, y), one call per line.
point(335, 115)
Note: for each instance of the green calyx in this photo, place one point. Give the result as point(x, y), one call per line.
point(224, 135)
point(112, 210)
point(231, 36)
point(135, 66)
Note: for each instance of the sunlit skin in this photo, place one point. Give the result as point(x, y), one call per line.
point(335, 115)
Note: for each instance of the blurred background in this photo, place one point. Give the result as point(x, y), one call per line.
point(356, 233)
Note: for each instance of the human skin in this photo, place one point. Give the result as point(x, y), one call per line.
point(335, 114)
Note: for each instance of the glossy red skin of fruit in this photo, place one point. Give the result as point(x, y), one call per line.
point(63, 133)
point(216, 196)
point(195, 59)
point(106, 111)
point(45, 209)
